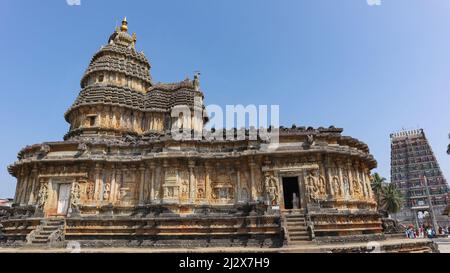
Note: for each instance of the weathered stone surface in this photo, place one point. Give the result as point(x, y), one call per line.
point(120, 178)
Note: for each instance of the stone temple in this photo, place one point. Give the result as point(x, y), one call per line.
point(120, 178)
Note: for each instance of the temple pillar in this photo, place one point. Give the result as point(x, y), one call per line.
point(137, 118)
point(114, 117)
point(18, 186)
point(23, 191)
point(341, 178)
point(361, 182)
point(366, 181)
point(327, 166)
point(141, 184)
point(119, 185)
point(207, 182)
point(32, 198)
point(238, 183)
point(152, 181)
point(113, 193)
point(98, 183)
point(192, 186)
point(350, 177)
point(253, 194)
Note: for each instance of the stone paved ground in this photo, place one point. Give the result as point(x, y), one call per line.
point(304, 248)
point(443, 245)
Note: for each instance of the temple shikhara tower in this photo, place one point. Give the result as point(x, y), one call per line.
point(416, 173)
point(120, 177)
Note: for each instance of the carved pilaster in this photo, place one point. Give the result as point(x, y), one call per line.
point(152, 167)
point(238, 183)
point(98, 182)
point(329, 178)
point(34, 174)
point(192, 184)
point(254, 194)
point(350, 177)
point(341, 178)
point(208, 170)
point(119, 184)
point(141, 184)
point(43, 194)
point(113, 195)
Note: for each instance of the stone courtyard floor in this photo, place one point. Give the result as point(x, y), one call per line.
point(444, 247)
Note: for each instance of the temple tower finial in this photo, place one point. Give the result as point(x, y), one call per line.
point(124, 26)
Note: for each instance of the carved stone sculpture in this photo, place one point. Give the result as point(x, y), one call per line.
point(43, 195)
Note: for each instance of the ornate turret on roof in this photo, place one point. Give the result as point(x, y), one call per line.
point(124, 27)
point(118, 96)
point(122, 37)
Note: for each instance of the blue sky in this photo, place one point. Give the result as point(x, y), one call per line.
point(369, 69)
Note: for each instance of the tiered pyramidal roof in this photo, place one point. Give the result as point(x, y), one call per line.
point(119, 76)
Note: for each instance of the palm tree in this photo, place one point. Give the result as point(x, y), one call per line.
point(391, 199)
point(377, 187)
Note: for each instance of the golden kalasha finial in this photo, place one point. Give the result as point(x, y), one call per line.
point(124, 26)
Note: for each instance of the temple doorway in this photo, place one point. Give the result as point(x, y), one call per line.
point(291, 193)
point(63, 198)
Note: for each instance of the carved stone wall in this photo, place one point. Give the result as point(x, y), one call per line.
point(216, 182)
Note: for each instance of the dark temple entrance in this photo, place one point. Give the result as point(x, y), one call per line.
point(290, 187)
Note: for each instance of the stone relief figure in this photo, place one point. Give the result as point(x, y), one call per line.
point(259, 183)
point(336, 187)
point(82, 147)
point(44, 149)
point(356, 188)
point(346, 187)
point(311, 189)
point(275, 199)
point(75, 195)
point(184, 190)
point(368, 190)
point(214, 195)
point(222, 189)
point(90, 190)
point(200, 184)
point(123, 194)
point(43, 195)
point(106, 191)
point(200, 194)
point(322, 186)
point(169, 192)
point(309, 141)
point(271, 184)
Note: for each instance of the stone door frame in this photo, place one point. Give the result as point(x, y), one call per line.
point(52, 181)
point(55, 184)
point(301, 188)
point(299, 171)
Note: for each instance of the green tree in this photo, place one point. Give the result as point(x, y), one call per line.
point(391, 199)
point(377, 187)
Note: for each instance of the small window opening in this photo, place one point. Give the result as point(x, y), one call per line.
point(92, 120)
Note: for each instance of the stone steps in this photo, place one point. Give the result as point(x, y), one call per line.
point(44, 230)
point(296, 228)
